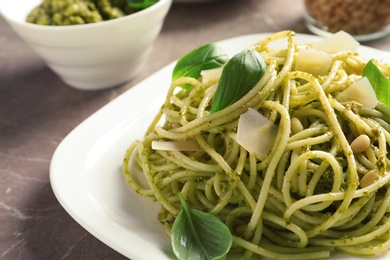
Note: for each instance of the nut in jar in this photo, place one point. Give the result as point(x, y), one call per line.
point(364, 19)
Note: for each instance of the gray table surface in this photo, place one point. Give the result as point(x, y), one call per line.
point(37, 110)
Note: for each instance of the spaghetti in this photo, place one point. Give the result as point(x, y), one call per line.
point(311, 195)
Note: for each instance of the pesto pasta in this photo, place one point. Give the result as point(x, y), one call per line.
point(323, 186)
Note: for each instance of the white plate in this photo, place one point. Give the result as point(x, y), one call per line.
point(86, 174)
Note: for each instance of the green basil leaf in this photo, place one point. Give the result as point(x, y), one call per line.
point(206, 57)
point(141, 4)
point(239, 76)
point(199, 235)
point(379, 82)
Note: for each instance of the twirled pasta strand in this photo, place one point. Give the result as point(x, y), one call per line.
point(303, 201)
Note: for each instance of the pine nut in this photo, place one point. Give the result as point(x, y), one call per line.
point(360, 144)
point(296, 125)
point(369, 178)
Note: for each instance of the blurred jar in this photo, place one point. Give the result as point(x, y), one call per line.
point(364, 19)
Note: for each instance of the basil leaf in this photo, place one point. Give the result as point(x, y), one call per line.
point(199, 235)
point(239, 76)
point(206, 57)
point(141, 4)
point(379, 82)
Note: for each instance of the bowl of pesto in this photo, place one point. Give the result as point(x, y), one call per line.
point(90, 44)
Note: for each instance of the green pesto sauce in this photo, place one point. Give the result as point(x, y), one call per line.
point(71, 12)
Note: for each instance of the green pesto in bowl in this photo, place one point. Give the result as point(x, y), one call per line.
point(72, 12)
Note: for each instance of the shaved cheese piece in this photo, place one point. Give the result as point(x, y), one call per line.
point(340, 41)
point(210, 74)
point(185, 145)
point(360, 91)
point(256, 133)
point(314, 62)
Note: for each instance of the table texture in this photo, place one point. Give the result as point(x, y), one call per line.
point(37, 110)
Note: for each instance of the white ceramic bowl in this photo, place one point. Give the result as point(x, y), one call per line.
point(91, 56)
point(196, 1)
